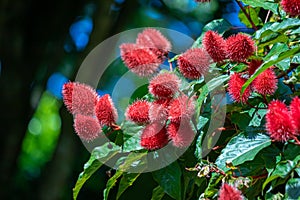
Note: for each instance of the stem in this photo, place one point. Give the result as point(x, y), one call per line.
point(170, 65)
point(247, 15)
point(297, 142)
point(267, 17)
point(265, 99)
point(115, 127)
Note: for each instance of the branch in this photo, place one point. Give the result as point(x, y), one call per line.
point(247, 15)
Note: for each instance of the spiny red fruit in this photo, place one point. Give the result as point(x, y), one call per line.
point(215, 46)
point(154, 40)
point(79, 98)
point(181, 134)
point(265, 83)
point(158, 111)
point(154, 136)
point(239, 47)
point(87, 127)
point(228, 192)
point(139, 59)
point(253, 65)
point(106, 111)
point(235, 83)
point(138, 112)
point(194, 63)
point(292, 7)
point(164, 85)
point(279, 122)
point(181, 108)
point(295, 113)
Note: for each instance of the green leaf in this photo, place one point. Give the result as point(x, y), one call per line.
point(241, 149)
point(241, 119)
point(212, 189)
point(278, 38)
point(201, 122)
point(270, 196)
point(169, 178)
point(104, 153)
point(198, 149)
point(272, 61)
point(269, 156)
point(216, 82)
point(291, 152)
point(264, 4)
point(282, 170)
point(218, 25)
point(132, 134)
point(203, 94)
point(276, 50)
point(253, 13)
point(139, 93)
point(126, 181)
point(111, 183)
point(292, 188)
point(158, 193)
point(257, 115)
point(272, 27)
point(129, 162)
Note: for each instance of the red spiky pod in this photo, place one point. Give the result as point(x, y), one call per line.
point(215, 46)
point(181, 108)
point(87, 127)
point(279, 122)
point(164, 85)
point(253, 65)
point(228, 192)
point(139, 59)
point(265, 83)
point(79, 98)
point(194, 63)
point(181, 134)
point(154, 136)
point(239, 47)
point(292, 7)
point(106, 111)
point(154, 39)
point(158, 111)
point(138, 112)
point(235, 83)
point(295, 113)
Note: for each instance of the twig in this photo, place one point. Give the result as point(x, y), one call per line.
point(267, 17)
point(247, 15)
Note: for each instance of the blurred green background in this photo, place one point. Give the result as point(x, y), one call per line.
point(42, 45)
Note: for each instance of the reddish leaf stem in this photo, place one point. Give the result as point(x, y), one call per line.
point(247, 15)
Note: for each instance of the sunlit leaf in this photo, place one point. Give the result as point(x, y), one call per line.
point(253, 13)
point(282, 170)
point(130, 161)
point(268, 63)
point(131, 132)
point(272, 27)
point(126, 181)
point(104, 153)
point(264, 4)
point(241, 149)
